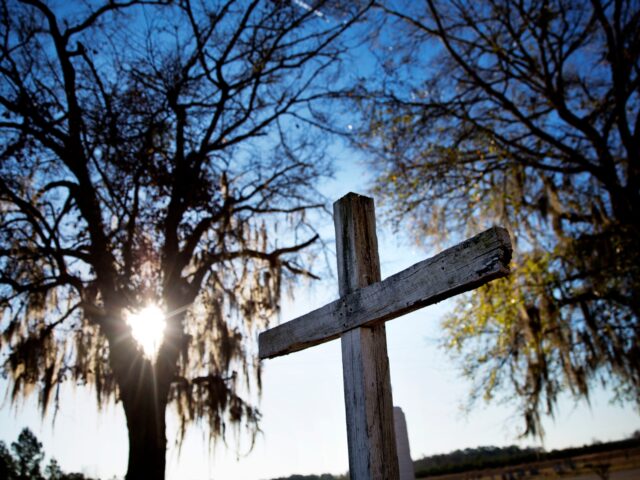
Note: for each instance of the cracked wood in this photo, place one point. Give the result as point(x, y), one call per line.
point(458, 269)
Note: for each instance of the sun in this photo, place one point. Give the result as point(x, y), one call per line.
point(147, 327)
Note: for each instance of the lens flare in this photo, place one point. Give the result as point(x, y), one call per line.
point(147, 328)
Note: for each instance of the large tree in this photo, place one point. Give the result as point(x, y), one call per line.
point(523, 113)
point(155, 153)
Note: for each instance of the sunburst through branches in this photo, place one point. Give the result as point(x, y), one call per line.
point(147, 328)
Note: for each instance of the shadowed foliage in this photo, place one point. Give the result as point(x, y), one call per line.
point(156, 152)
point(525, 114)
point(25, 462)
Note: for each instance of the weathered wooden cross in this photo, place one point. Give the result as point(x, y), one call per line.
point(358, 319)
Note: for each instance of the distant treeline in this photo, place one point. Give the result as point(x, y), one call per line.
point(324, 476)
point(496, 457)
point(490, 457)
point(473, 459)
point(23, 461)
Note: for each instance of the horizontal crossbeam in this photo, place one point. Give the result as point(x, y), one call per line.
point(458, 269)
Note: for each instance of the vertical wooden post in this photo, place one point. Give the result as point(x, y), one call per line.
point(365, 364)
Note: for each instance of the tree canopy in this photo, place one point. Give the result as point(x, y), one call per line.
point(525, 114)
point(156, 152)
point(25, 462)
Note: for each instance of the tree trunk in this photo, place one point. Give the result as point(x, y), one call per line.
point(144, 391)
point(144, 407)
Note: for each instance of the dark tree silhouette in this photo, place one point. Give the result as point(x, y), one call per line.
point(7, 463)
point(53, 470)
point(155, 152)
point(28, 456)
point(25, 462)
point(524, 113)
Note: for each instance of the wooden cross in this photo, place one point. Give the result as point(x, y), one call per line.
point(358, 317)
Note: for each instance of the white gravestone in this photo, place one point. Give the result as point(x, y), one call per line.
point(405, 464)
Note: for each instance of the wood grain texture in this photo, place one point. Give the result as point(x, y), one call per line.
point(369, 404)
point(365, 363)
point(463, 267)
point(356, 243)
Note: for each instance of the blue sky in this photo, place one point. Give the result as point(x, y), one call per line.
point(303, 423)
